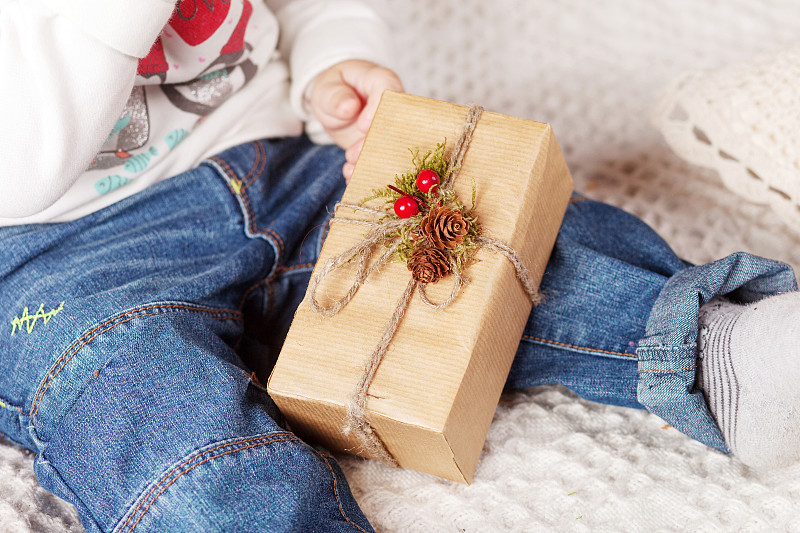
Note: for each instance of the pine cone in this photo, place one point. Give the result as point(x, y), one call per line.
point(428, 265)
point(444, 227)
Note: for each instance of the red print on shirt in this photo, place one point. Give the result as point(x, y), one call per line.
point(236, 42)
point(197, 20)
point(155, 63)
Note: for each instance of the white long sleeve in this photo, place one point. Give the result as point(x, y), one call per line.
point(317, 34)
point(62, 89)
point(100, 99)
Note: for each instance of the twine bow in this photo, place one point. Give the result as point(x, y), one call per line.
point(356, 420)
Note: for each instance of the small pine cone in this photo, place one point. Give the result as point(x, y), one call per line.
point(428, 265)
point(444, 227)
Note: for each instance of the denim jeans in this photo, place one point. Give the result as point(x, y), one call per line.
point(137, 339)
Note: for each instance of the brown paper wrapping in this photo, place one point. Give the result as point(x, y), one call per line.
point(436, 390)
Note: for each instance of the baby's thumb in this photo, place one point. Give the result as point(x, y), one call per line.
point(338, 105)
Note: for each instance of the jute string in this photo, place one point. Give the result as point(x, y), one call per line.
point(356, 421)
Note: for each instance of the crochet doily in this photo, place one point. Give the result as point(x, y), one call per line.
point(553, 462)
point(742, 121)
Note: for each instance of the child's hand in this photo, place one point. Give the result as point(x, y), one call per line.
point(344, 99)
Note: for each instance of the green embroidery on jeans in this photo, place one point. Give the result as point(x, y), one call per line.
point(27, 321)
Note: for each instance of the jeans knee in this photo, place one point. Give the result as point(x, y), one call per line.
point(185, 441)
point(167, 350)
point(269, 482)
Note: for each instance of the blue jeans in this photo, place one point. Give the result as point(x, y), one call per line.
point(137, 339)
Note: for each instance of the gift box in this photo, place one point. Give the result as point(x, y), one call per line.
point(431, 398)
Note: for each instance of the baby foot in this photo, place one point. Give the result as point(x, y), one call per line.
point(749, 372)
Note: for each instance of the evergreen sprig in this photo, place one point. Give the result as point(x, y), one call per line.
point(409, 236)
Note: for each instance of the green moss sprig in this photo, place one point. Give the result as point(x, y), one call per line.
point(440, 220)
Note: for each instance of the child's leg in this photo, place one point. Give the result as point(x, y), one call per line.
point(619, 322)
point(123, 373)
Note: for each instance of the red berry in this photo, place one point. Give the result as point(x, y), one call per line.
point(406, 207)
point(427, 180)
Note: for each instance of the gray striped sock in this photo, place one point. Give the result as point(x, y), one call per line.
point(748, 369)
point(716, 374)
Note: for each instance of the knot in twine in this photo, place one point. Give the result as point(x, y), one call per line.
point(356, 420)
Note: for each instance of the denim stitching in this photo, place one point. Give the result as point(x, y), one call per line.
point(248, 291)
point(267, 282)
point(254, 228)
point(661, 348)
point(8, 405)
point(261, 162)
point(284, 270)
point(26, 322)
point(246, 444)
point(240, 193)
point(220, 163)
point(609, 352)
point(336, 493)
point(669, 370)
point(86, 338)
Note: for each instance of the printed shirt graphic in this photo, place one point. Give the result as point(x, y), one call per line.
point(214, 74)
point(202, 57)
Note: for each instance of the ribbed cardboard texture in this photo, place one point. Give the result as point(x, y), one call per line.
point(436, 390)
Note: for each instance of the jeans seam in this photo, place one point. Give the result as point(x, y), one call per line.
point(576, 347)
point(336, 492)
point(260, 162)
point(242, 195)
point(267, 281)
point(659, 349)
point(664, 348)
point(10, 406)
point(263, 281)
point(245, 444)
point(76, 500)
point(86, 338)
point(254, 227)
point(286, 270)
point(668, 370)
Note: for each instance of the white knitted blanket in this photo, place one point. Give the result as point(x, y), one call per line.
point(595, 70)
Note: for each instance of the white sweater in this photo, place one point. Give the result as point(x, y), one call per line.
point(92, 111)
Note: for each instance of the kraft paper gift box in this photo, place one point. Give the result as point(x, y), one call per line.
point(435, 391)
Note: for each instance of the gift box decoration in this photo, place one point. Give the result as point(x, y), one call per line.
point(403, 342)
